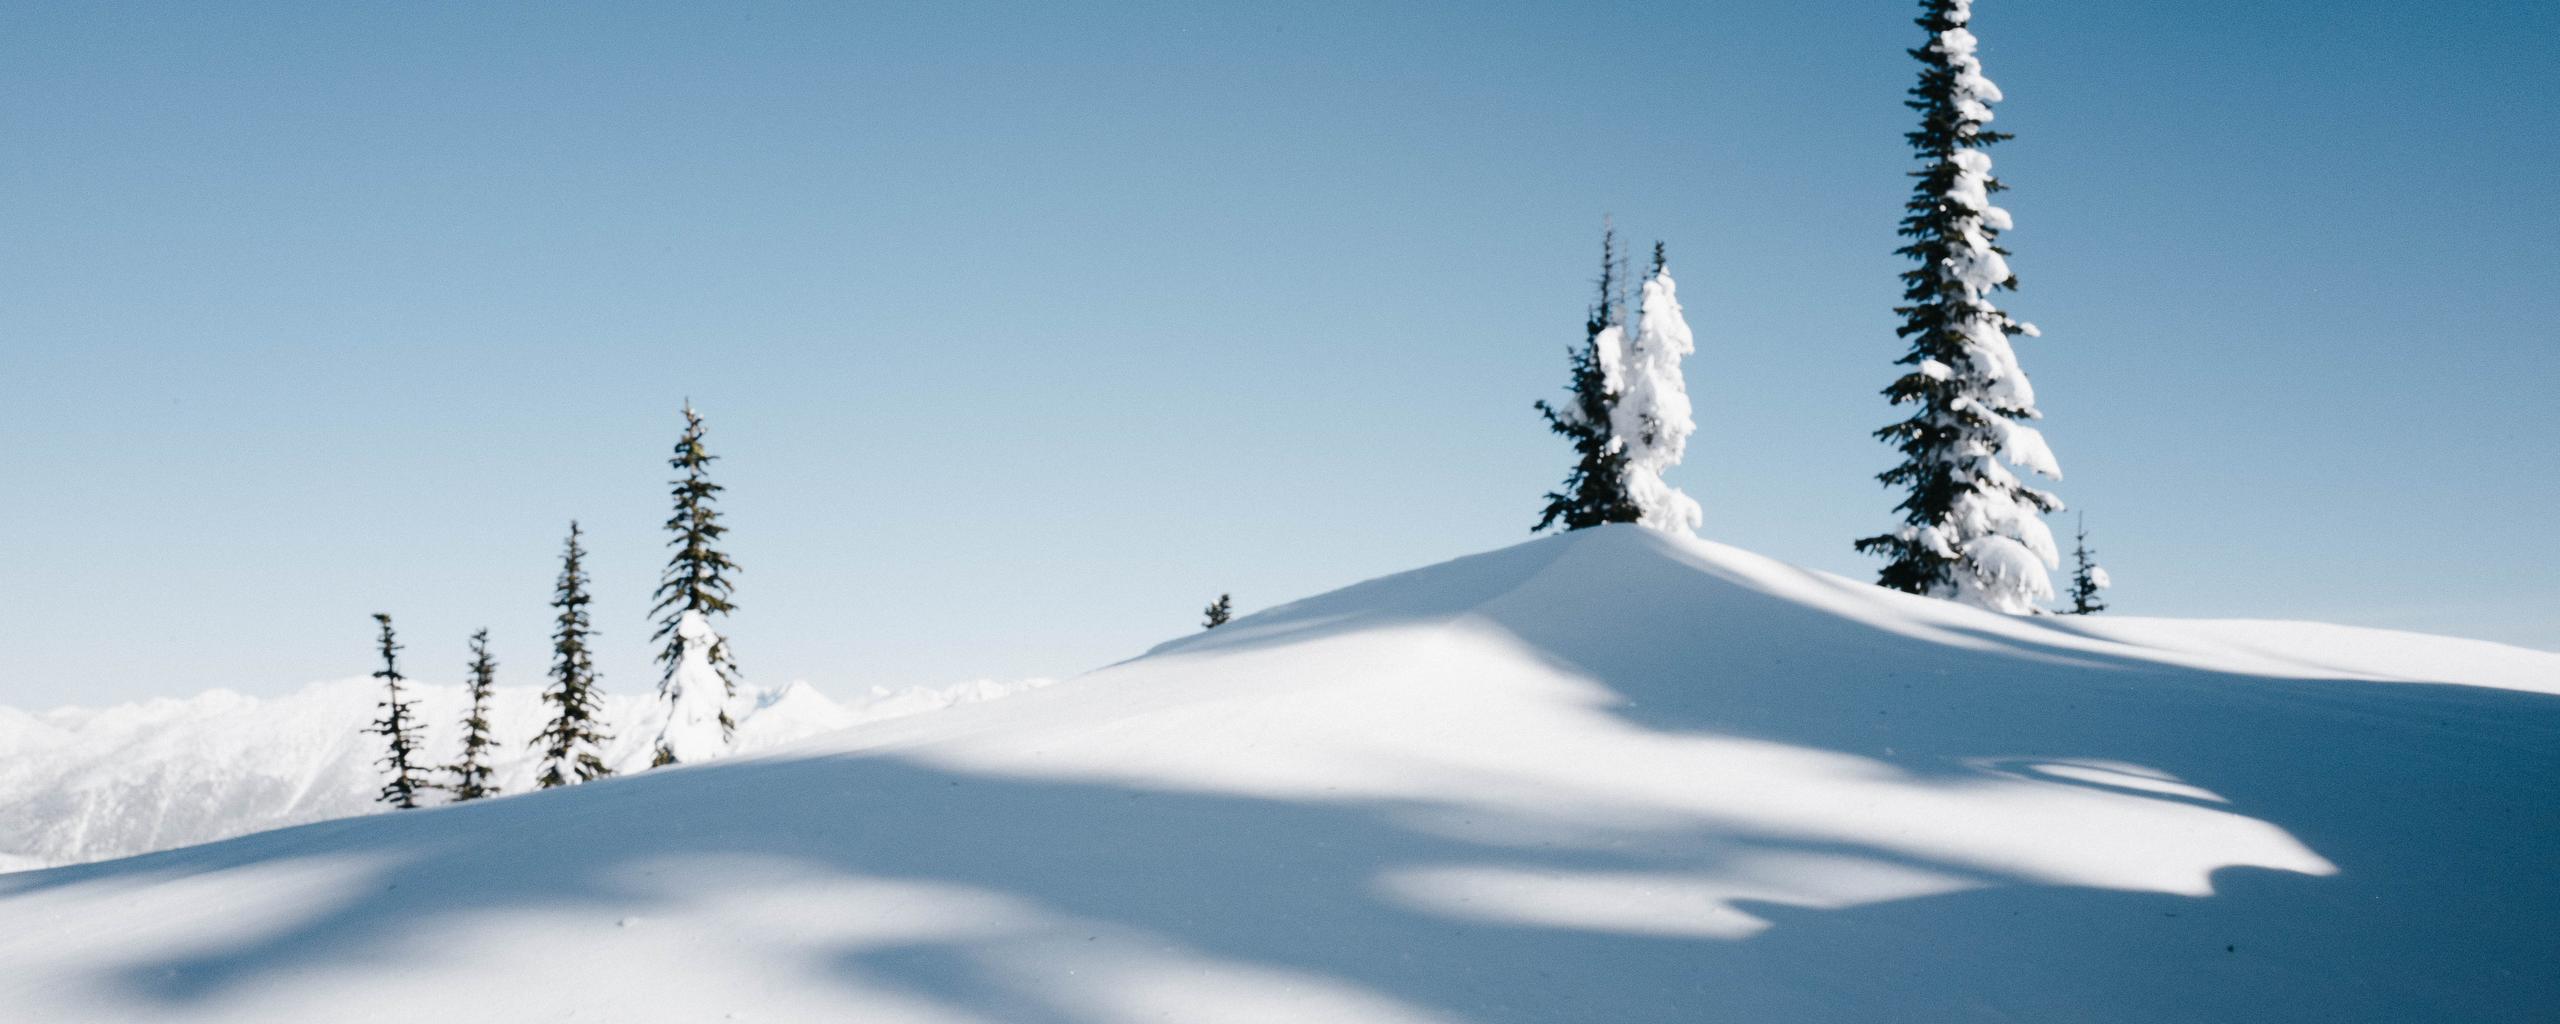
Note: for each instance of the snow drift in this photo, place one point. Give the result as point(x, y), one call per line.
point(1610, 776)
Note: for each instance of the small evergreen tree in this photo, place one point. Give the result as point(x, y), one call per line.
point(1972, 531)
point(1595, 491)
point(1219, 611)
point(2087, 576)
point(696, 582)
point(573, 744)
point(471, 775)
point(1651, 417)
point(398, 727)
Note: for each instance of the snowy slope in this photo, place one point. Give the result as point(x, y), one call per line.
point(79, 784)
point(1612, 776)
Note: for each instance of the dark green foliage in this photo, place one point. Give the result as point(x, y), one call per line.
point(1595, 492)
point(1938, 438)
point(2086, 578)
point(697, 576)
point(1219, 611)
point(471, 774)
point(572, 744)
point(398, 727)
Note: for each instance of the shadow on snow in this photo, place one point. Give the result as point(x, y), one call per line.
point(2412, 927)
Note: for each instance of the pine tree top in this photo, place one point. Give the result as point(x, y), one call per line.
point(570, 593)
point(1594, 491)
point(697, 574)
point(571, 664)
point(484, 666)
point(390, 650)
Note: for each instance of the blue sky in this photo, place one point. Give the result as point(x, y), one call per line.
point(1026, 330)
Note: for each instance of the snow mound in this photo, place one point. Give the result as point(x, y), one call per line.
point(1615, 775)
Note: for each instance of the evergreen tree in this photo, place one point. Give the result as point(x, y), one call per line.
point(1219, 611)
point(1595, 491)
point(1972, 531)
point(471, 775)
point(2087, 576)
point(398, 727)
point(573, 744)
point(1651, 417)
point(696, 582)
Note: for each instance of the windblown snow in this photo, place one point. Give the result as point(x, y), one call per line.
point(1615, 775)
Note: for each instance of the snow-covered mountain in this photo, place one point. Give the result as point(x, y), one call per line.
point(1610, 776)
point(81, 784)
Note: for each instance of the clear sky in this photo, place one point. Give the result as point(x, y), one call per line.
point(1024, 331)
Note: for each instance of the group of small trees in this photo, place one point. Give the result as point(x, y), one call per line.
point(401, 732)
point(695, 689)
point(1972, 530)
point(1628, 417)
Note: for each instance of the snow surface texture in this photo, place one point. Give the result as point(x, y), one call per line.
point(692, 696)
point(80, 784)
point(1996, 528)
point(1614, 775)
point(1651, 417)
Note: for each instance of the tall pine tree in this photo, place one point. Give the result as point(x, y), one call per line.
point(572, 744)
point(1972, 531)
point(694, 699)
point(398, 727)
point(471, 775)
point(1595, 492)
point(2087, 576)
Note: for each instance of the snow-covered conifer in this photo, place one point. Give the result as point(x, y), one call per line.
point(1595, 491)
point(1972, 530)
point(694, 587)
point(1651, 417)
point(696, 727)
point(1218, 612)
point(2087, 576)
point(471, 774)
point(572, 744)
point(398, 728)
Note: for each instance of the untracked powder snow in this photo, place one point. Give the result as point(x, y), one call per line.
point(1614, 775)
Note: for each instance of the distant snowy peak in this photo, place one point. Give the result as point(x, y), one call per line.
point(83, 784)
